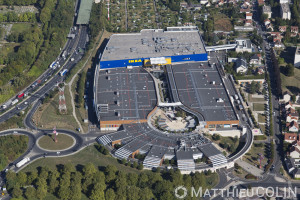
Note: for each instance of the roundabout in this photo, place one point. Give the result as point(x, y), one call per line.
point(62, 142)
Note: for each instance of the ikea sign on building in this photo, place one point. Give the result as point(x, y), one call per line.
point(140, 61)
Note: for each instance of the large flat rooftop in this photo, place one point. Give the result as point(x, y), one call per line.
point(125, 94)
point(154, 43)
point(199, 87)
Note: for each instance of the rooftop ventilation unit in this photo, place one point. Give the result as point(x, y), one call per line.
point(220, 100)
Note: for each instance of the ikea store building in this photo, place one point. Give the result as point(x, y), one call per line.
point(154, 46)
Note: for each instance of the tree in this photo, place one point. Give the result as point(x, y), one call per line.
point(41, 190)
point(89, 169)
point(140, 166)
point(17, 192)
point(145, 194)
point(110, 173)
point(134, 164)
point(252, 88)
point(32, 177)
point(97, 192)
point(216, 137)
point(22, 178)
point(290, 70)
point(293, 98)
point(110, 194)
point(257, 87)
point(30, 192)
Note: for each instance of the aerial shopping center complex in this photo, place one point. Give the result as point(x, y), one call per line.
point(156, 93)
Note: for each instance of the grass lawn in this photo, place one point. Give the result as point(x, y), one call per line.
point(48, 116)
point(252, 156)
point(89, 154)
point(20, 27)
point(263, 128)
point(291, 84)
point(7, 48)
point(212, 180)
point(229, 141)
point(240, 172)
point(258, 107)
point(63, 142)
point(261, 118)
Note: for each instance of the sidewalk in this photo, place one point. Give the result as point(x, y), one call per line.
point(250, 168)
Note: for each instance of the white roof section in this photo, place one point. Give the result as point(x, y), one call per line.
point(158, 61)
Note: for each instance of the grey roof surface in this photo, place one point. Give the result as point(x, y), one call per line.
point(241, 62)
point(157, 152)
point(184, 154)
point(196, 91)
point(285, 7)
point(153, 43)
point(84, 11)
point(266, 8)
point(247, 42)
point(209, 150)
point(136, 96)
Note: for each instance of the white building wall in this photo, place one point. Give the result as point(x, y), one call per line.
point(297, 60)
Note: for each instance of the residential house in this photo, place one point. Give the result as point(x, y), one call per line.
point(267, 10)
point(290, 164)
point(293, 126)
point(283, 1)
point(294, 31)
point(285, 11)
point(278, 44)
point(203, 2)
point(295, 150)
point(290, 117)
point(286, 97)
point(248, 22)
point(241, 66)
point(183, 4)
point(255, 59)
point(245, 10)
point(267, 22)
point(260, 70)
point(261, 2)
point(249, 16)
point(282, 29)
point(290, 137)
point(288, 105)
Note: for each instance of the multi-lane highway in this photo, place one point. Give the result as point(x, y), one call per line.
point(75, 50)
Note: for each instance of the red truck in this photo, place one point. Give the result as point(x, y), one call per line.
point(21, 95)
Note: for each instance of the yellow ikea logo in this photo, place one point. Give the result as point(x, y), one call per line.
point(134, 61)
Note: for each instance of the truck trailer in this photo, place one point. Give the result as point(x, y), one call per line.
point(4, 106)
point(14, 101)
point(23, 162)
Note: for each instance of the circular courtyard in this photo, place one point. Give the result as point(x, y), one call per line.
point(63, 142)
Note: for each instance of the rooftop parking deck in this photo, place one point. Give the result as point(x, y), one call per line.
point(125, 94)
point(200, 88)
